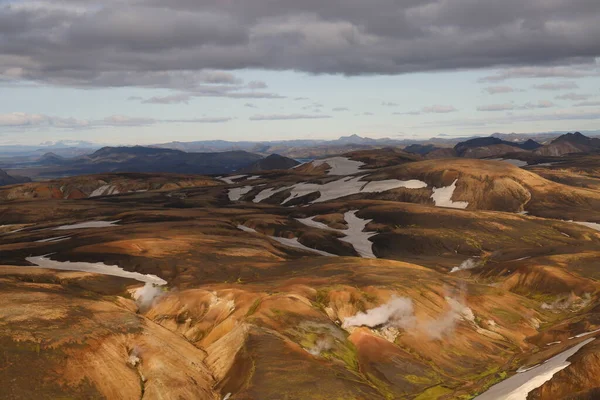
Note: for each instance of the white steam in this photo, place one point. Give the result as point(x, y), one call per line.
point(147, 295)
point(467, 264)
point(322, 344)
point(445, 325)
point(398, 312)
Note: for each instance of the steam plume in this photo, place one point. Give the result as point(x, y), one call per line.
point(467, 264)
point(398, 312)
point(147, 295)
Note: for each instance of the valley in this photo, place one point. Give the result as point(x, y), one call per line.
point(374, 274)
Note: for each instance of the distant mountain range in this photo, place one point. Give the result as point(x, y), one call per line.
point(492, 146)
point(6, 179)
point(254, 157)
point(151, 160)
point(301, 148)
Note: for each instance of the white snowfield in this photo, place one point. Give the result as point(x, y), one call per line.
point(54, 239)
point(355, 234)
point(289, 242)
point(592, 225)
point(295, 243)
point(314, 224)
point(97, 268)
point(340, 165)
point(236, 193)
point(246, 229)
point(89, 224)
point(339, 188)
point(265, 194)
point(229, 179)
point(584, 334)
point(516, 163)
point(519, 386)
point(442, 197)
point(106, 190)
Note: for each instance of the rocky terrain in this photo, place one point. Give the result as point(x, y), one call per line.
point(377, 274)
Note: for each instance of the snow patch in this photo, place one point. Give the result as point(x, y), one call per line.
point(519, 386)
point(97, 268)
point(265, 194)
point(314, 224)
point(584, 334)
point(229, 179)
point(54, 239)
point(105, 190)
point(442, 197)
point(340, 165)
point(236, 193)
point(592, 225)
point(296, 244)
point(89, 224)
point(525, 369)
point(356, 236)
point(246, 229)
point(339, 188)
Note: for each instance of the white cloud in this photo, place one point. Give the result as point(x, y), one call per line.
point(438, 109)
point(557, 86)
point(574, 96)
point(499, 89)
point(276, 117)
point(25, 120)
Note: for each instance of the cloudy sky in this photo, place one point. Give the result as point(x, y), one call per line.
point(147, 71)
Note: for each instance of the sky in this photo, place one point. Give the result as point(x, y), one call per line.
point(154, 71)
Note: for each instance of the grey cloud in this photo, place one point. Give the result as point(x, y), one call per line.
point(250, 105)
point(435, 109)
point(513, 106)
point(496, 107)
point(173, 99)
point(557, 86)
point(20, 120)
point(340, 109)
point(539, 104)
point(226, 91)
point(112, 43)
point(438, 109)
point(564, 115)
point(281, 117)
point(389, 104)
point(587, 104)
point(408, 113)
point(257, 85)
point(574, 96)
point(571, 71)
point(499, 89)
